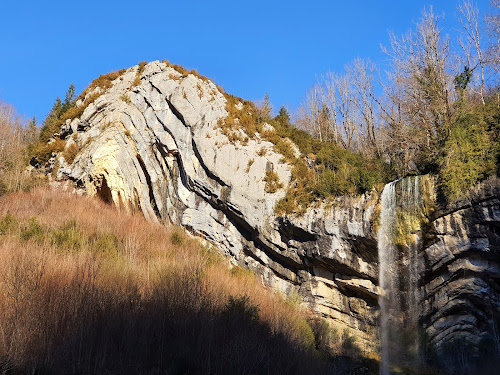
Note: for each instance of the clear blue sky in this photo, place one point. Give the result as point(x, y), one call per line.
point(248, 47)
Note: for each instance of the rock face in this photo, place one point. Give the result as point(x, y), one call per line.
point(462, 272)
point(156, 146)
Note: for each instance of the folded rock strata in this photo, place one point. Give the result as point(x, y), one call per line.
point(157, 147)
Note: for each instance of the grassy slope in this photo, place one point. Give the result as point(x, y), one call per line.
point(85, 289)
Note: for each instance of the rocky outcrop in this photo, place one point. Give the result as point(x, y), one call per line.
point(462, 271)
point(153, 142)
point(157, 147)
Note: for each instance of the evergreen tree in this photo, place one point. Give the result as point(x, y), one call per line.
point(283, 117)
point(52, 122)
point(265, 109)
point(31, 133)
point(69, 100)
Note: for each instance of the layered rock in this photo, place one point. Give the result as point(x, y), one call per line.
point(153, 142)
point(158, 147)
point(462, 271)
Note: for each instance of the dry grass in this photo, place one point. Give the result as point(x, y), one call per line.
point(87, 290)
point(71, 152)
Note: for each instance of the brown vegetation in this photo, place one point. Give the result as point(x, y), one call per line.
point(86, 290)
point(70, 152)
point(14, 140)
point(272, 181)
point(104, 82)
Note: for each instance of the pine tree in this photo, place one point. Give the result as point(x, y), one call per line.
point(69, 100)
point(52, 122)
point(265, 109)
point(283, 117)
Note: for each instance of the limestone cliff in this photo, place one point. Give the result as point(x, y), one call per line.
point(153, 142)
point(461, 271)
point(157, 147)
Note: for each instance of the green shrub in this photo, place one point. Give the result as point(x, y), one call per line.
point(321, 332)
point(469, 156)
point(176, 238)
point(272, 181)
point(68, 237)
point(305, 332)
point(241, 308)
point(240, 272)
point(285, 205)
point(8, 224)
point(283, 147)
point(107, 244)
point(43, 151)
point(33, 231)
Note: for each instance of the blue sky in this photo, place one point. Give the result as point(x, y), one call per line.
point(247, 47)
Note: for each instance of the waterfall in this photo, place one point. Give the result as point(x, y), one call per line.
point(386, 253)
point(398, 250)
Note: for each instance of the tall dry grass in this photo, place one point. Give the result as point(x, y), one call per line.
point(87, 289)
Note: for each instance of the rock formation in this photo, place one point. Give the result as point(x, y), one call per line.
point(153, 142)
point(462, 272)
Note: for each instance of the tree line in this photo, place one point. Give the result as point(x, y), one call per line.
point(436, 109)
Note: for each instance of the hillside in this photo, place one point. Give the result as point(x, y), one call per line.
point(87, 289)
point(394, 270)
point(167, 142)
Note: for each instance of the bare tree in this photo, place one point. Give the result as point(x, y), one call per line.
point(10, 146)
point(13, 141)
point(330, 100)
point(342, 108)
point(308, 112)
point(346, 112)
point(361, 74)
point(419, 92)
point(493, 23)
point(472, 42)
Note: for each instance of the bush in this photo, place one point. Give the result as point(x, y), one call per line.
point(321, 332)
point(44, 151)
point(68, 237)
point(469, 156)
point(8, 224)
point(106, 244)
point(69, 154)
point(33, 231)
point(272, 182)
point(176, 238)
point(241, 308)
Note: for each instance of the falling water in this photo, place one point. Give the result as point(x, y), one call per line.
point(386, 250)
point(398, 246)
